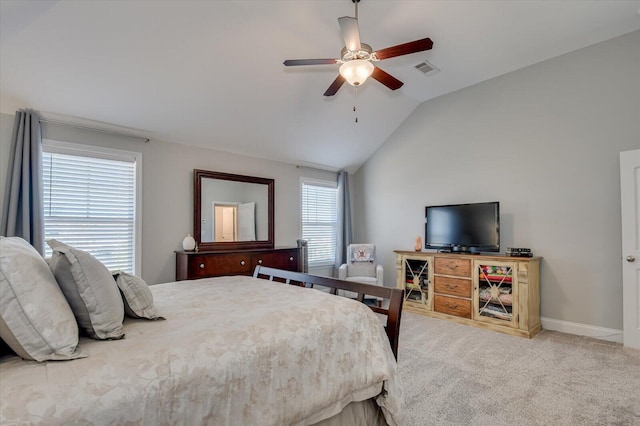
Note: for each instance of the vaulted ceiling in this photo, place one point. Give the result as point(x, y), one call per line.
point(210, 73)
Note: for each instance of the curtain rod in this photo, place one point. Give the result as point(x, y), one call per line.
point(79, 126)
point(330, 170)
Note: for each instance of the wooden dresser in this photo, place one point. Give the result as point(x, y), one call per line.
point(193, 265)
point(495, 292)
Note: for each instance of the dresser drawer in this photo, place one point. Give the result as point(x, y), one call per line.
point(282, 259)
point(450, 266)
point(215, 265)
point(452, 286)
point(452, 306)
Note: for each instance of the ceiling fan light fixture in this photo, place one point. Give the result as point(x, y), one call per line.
point(356, 71)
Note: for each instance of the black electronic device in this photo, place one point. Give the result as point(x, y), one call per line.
point(463, 228)
point(519, 252)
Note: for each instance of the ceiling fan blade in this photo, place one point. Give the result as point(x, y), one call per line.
point(337, 84)
point(405, 49)
point(294, 62)
point(385, 78)
point(350, 33)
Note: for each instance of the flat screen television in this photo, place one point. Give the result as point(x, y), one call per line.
point(464, 228)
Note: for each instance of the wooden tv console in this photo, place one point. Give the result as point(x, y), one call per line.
point(495, 292)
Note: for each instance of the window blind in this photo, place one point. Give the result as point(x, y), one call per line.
point(319, 218)
point(89, 204)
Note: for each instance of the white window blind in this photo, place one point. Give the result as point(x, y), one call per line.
point(319, 217)
point(90, 204)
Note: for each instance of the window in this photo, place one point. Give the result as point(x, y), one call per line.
point(319, 218)
point(91, 202)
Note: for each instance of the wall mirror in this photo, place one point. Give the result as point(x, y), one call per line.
point(232, 212)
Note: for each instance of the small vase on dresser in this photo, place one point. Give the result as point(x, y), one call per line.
point(189, 243)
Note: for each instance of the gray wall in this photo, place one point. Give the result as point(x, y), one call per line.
point(545, 142)
point(167, 189)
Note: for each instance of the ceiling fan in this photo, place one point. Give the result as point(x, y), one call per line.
point(357, 58)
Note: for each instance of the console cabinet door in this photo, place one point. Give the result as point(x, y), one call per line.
point(415, 275)
point(495, 298)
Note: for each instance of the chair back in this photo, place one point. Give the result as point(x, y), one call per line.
point(361, 260)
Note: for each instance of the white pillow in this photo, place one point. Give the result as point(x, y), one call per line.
point(90, 290)
point(136, 295)
point(35, 319)
point(363, 252)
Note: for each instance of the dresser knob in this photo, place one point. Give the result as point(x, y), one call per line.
point(259, 261)
point(242, 262)
point(291, 258)
point(201, 266)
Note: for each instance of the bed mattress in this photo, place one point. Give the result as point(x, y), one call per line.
point(233, 350)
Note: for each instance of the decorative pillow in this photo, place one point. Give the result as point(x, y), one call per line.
point(136, 295)
point(90, 290)
point(362, 252)
point(35, 319)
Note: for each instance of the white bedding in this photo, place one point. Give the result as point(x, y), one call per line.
point(233, 350)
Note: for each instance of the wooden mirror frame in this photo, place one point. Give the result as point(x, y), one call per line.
point(198, 175)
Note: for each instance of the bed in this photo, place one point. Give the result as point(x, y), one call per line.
point(233, 350)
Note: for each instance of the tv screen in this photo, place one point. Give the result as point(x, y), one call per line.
point(463, 227)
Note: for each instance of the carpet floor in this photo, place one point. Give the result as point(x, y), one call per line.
point(461, 375)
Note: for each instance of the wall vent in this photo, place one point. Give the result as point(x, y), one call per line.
point(426, 68)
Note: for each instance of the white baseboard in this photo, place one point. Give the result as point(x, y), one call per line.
point(602, 333)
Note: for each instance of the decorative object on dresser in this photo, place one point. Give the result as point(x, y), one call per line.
point(189, 243)
point(496, 292)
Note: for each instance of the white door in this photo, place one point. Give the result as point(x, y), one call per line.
point(225, 222)
point(630, 200)
point(247, 222)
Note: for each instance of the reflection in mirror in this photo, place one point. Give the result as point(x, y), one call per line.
point(232, 211)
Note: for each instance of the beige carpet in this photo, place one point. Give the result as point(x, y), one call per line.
point(461, 375)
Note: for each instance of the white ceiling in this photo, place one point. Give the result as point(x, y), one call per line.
point(210, 73)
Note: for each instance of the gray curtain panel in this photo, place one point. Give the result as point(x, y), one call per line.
point(343, 229)
point(23, 212)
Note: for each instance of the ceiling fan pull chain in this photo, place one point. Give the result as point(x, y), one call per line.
point(355, 94)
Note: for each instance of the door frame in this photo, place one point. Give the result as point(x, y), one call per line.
point(630, 221)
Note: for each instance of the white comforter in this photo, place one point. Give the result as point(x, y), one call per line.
point(233, 351)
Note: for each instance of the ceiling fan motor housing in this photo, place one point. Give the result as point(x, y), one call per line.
point(363, 53)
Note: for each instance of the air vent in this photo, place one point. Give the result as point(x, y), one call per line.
point(426, 68)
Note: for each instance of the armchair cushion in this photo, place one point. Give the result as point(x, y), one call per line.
point(361, 269)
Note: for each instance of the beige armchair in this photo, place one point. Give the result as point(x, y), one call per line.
point(361, 265)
